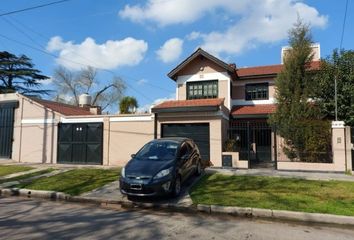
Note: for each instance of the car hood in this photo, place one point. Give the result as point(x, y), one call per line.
point(146, 168)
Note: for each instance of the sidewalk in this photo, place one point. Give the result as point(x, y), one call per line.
point(56, 166)
point(110, 196)
point(286, 174)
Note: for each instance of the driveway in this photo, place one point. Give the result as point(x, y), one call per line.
point(34, 219)
point(111, 192)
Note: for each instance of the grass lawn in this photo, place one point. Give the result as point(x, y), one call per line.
point(10, 169)
point(334, 197)
point(28, 175)
point(75, 182)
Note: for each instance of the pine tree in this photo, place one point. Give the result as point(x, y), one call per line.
point(18, 75)
point(297, 118)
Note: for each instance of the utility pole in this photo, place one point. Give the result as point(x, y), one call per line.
point(335, 95)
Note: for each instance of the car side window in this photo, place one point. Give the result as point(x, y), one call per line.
point(185, 150)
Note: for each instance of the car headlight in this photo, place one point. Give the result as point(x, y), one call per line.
point(122, 173)
point(163, 173)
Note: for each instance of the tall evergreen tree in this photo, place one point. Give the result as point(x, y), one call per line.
point(297, 118)
point(17, 74)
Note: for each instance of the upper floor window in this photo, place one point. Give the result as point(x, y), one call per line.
point(257, 91)
point(204, 89)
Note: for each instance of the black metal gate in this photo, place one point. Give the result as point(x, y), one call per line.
point(80, 143)
point(6, 128)
point(253, 142)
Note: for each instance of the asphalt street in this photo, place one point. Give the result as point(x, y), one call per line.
point(40, 219)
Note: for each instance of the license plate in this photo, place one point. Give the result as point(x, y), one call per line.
point(136, 186)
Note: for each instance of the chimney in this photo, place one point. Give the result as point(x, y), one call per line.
point(95, 110)
point(316, 50)
point(233, 65)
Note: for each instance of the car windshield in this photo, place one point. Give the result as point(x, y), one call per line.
point(158, 151)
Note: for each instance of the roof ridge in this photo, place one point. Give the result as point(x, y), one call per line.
point(271, 65)
point(62, 108)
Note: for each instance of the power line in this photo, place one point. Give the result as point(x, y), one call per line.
point(84, 58)
point(343, 27)
point(337, 72)
point(32, 8)
point(85, 65)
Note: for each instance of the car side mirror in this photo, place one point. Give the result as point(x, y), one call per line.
point(133, 155)
point(184, 158)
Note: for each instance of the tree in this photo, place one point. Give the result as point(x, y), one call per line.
point(297, 118)
point(70, 85)
point(339, 65)
point(17, 74)
point(128, 105)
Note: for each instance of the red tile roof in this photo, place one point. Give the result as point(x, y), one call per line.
point(191, 103)
point(62, 108)
point(267, 70)
point(254, 109)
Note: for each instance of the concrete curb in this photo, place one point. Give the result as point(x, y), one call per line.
point(209, 209)
point(278, 214)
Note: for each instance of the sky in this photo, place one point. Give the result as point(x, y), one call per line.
point(141, 41)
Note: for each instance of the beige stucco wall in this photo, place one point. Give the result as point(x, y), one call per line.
point(198, 64)
point(224, 91)
point(339, 157)
point(126, 138)
point(34, 140)
point(182, 91)
point(349, 147)
point(215, 124)
point(236, 162)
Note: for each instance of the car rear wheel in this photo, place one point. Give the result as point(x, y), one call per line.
point(177, 187)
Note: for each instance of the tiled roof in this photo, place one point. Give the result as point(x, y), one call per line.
point(191, 103)
point(267, 70)
point(65, 109)
point(254, 109)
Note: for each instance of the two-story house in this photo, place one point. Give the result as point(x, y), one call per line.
point(216, 101)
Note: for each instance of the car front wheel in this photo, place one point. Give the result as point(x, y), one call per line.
point(177, 187)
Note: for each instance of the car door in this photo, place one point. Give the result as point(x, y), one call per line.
point(194, 157)
point(184, 160)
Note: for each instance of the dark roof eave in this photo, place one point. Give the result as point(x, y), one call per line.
point(185, 109)
point(260, 115)
point(257, 76)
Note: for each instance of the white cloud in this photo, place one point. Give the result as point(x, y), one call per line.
point(171, 50)
point(142, 81)
point(246, 24)
point(193, 36)
point(108, 55)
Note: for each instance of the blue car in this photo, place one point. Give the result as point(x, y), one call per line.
point(160, 167)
